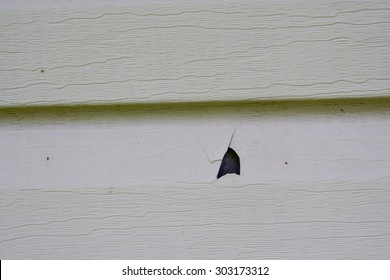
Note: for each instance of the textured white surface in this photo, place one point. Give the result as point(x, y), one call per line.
point(133, 182)
point(179, 51)
point(139, 181)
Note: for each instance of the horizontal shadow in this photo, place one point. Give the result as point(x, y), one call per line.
point(199, 110)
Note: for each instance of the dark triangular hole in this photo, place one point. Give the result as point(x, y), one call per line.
point(230, 163)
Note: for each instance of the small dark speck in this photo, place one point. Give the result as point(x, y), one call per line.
point(286, 162)
point(42, 71)
point(47, 158)
point(342, 110)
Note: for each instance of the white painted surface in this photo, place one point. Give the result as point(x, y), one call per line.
point(134, 182)
point(179, 51)
point(139, 181)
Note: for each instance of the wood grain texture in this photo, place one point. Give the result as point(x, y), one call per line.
point(140, 182)
point(185, 51)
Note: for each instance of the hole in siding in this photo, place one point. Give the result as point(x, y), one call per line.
point(230, 163)
point(42, 71)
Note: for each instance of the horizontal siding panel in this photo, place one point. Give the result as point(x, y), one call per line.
point(132, 182)
point(158, 52)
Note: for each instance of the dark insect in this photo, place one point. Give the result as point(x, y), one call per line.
point(230, 163)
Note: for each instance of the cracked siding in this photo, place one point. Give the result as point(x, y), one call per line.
point(139, 182)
